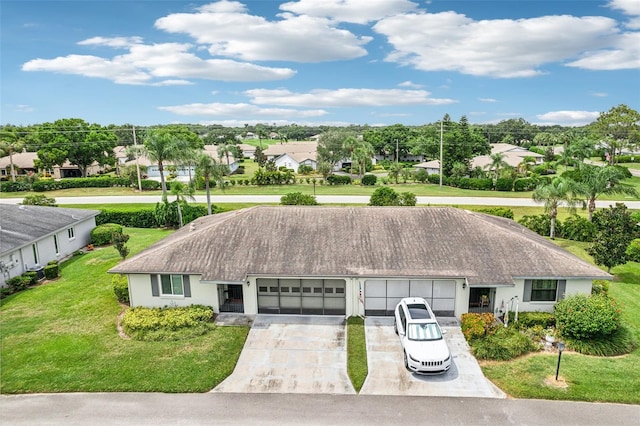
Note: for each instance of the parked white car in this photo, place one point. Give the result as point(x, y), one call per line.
point(425, 350)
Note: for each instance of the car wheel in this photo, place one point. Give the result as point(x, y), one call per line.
point(395, 327)
point(406, 362)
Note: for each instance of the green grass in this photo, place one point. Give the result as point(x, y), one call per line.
point(589, 378)
point(356, 352)
point(62, 337)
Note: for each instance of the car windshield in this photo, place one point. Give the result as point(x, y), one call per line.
point(424, 331)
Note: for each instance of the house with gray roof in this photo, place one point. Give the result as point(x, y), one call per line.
point(355, 261)
point(32, 236)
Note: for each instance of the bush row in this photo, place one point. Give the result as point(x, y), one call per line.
point(159, 216)
point(576, 228)
point(166, 323)
point(29, 278)
point(483, 184)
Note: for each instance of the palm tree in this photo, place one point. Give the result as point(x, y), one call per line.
point(525, 165)
point(182, 193)
point(362, 155)
point(349, 145)
point(224, 151)
point(209, 168)
point(596, 181)
point(497, 163)
point(10, 144)
point(162, 146)
point(554, 194)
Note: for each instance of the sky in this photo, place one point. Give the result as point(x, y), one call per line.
point(317, 62)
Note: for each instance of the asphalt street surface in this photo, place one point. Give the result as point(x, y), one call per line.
point(298, 409)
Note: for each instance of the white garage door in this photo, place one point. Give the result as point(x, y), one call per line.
point(382, 296)
point(301, 296)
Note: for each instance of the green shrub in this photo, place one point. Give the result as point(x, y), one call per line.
point(143, 218)
point(298, 199)
point(474, 183)
point(504, 184)
point(540, 224)
point(18, 283)
point(504, 344)
point(39, 200)
point(152, 324)
point(620, 342)
point(121, 288)
point(103, 234)
point(18, 186)
point(583, 317)
point(51, 271)
point(369, 180)
point(475, 325)
point(407, 199)
point(304, 169)
point(633, 250)
point(525, 184)
point(150, 185)
point(533, 319)
point(339, 180)
point(578, 228)
point(33, 277)
point(497, 211)
point(600, 287)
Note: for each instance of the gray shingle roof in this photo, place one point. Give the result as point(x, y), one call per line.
point(359, 241)
point(22, 225)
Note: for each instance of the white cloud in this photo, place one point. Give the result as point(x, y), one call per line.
point(239, 110)
point(229, 31)
point(599, 94)
point(411, 85)
point(115, 42)
point(353, 11)
point(568, 118)
point(489, 100)
point(628, 7)
point(504, 48)
point(144, 64)
point(346, 97)
point(623, 54)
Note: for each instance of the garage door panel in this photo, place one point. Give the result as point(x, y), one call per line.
point(398, 288)
point(375, 288)
point(443, 289)
point(392, 302)
point(443, 305)
point(301, 296)
point(421, 288)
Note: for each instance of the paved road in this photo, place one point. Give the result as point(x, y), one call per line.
point(298, 409)
point(322, 199)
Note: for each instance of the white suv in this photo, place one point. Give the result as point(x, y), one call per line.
point(424, 347)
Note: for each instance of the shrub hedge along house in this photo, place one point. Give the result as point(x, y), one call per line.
point(355, 261)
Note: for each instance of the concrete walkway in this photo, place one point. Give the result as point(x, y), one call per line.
point(387, 375)
point(292, 354)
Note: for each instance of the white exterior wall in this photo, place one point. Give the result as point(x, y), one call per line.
point(288, 162)
point(504, 294)
point(201, 293)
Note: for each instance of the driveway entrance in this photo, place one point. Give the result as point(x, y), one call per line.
point(292, 354)
point(387, 375)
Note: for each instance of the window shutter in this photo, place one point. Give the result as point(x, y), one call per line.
point(186, 285)
point(526, 297)
point(154, 286)
point(562, 289)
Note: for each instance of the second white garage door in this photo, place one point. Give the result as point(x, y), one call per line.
point(382, 296)
point(301, 296)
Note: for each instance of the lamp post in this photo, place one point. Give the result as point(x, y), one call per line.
point(560, 349)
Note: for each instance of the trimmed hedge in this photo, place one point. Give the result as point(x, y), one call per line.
point(583, 317)
point(18, 186)
point(338, 180)
point(121, 288)
point(497, 211)
point(51, 271)
point(504, 184)
point(298, 199)
point(91, 182)
point(369, 180)
point(143, 218)
point(103, 234)
point(532, 319)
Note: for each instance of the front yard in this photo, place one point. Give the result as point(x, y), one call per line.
point(62, 337)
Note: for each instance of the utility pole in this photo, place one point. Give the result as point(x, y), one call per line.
point(396, 151)
point(137, 157)
point(441, 131)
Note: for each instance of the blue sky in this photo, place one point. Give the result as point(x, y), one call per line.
point(333, 62)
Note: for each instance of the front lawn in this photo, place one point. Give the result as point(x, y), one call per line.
point(62, 337)
point(587, 378)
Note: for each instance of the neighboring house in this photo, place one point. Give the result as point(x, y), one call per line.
point(513, 156)
point(248, 151)
point(295, 160)
point(32, 236)
point(305, 148)
point(212, 150)
point(355, 261)
point(250, 135)
point(68, 170)
point(22, 164)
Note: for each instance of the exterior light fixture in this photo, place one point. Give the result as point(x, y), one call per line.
point(560, 349)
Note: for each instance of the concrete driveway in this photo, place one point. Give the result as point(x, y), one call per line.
point(387, 375)
point(292, 354)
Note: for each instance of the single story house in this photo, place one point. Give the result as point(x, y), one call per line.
point(294, 160)
point(276, 150)
point(32, 236)
point(23, 163)
point(354, 261)
point(432, 167)
point(248, 151)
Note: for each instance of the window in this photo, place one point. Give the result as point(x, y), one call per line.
point(56, 245)
point(171, 285)
point(71, 233)
point(35, 253)
point(544, 290)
